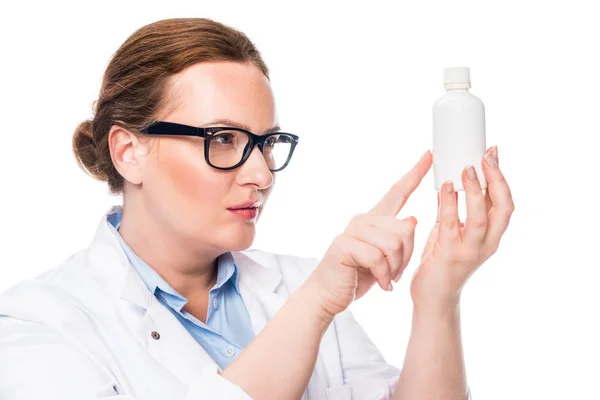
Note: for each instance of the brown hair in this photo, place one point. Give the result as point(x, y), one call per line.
point(135, 84)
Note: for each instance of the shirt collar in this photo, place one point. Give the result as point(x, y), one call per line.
point(227, 269)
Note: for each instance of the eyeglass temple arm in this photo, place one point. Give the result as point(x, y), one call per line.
point(173, 129)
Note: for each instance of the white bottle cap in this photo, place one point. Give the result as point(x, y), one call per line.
point(457, 78)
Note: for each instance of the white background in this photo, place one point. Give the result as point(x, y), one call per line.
point(357, 83)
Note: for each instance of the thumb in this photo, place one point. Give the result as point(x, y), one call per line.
point(430, 240)
point(411, 220)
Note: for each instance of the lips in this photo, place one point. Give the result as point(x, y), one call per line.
point(245, 205)
point(245, 213)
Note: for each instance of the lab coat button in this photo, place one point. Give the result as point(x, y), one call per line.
point(215, 302)
point(229, 351)
point(155, 335)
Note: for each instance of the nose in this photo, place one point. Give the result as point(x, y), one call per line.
point(255, 171)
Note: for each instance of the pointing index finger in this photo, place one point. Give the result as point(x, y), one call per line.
point(393, 201)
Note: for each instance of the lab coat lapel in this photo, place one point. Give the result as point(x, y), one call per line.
point(258, 284)
point(165, 338)
point(142, 313)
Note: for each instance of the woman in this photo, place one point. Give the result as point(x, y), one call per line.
point(166, 304)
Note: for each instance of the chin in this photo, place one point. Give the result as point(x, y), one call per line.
point(239, 238)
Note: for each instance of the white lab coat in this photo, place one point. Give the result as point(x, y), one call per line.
point(83, 330)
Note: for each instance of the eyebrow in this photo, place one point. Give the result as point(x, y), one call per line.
point(228, 122)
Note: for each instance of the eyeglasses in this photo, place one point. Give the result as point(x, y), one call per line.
point(227, 148)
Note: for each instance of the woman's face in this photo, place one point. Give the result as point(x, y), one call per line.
point(186, 195)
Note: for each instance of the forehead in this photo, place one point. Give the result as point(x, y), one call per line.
point(222, 90)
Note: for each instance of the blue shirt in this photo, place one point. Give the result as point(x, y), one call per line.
point(227, 330)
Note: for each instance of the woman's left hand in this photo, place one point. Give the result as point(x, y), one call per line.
point(455, 250)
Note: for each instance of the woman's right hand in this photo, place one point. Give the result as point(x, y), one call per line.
point(374, 247)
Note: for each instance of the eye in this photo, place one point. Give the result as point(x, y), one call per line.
point(271, 140)
point(223, 138)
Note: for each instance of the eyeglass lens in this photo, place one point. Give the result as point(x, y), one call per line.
point(227, 148)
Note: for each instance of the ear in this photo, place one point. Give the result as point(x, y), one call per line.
point(126, 155)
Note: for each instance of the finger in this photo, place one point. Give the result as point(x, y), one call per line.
point(387, 243)
point(409, 246)
point(396, 197)
point(501, 198)
point(437, 217)
point(404, 231)
point(371, 258)
point(488, 200)
point(449, 229)
point(433, 235)
point(476, 221)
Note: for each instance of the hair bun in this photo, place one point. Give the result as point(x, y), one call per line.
point(84, 148)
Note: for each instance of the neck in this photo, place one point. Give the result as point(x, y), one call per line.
point(190, 270)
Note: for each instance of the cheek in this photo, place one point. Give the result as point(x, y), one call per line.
point(187, 180)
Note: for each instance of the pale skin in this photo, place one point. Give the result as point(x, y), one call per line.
point(176, 218)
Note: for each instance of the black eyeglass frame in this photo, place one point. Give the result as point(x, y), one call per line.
point(176, 129)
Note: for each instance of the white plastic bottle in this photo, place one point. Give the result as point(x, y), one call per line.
point(458, 130)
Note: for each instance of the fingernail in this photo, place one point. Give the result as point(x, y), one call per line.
point(449, 187)
point(489, 159)
point(471, 173)
point(390, 287)
point(495, 151)
point(425, 154)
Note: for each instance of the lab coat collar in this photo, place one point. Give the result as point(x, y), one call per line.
point(176, 349)
point(110, 263)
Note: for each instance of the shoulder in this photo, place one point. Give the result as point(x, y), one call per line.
point(55, 297)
